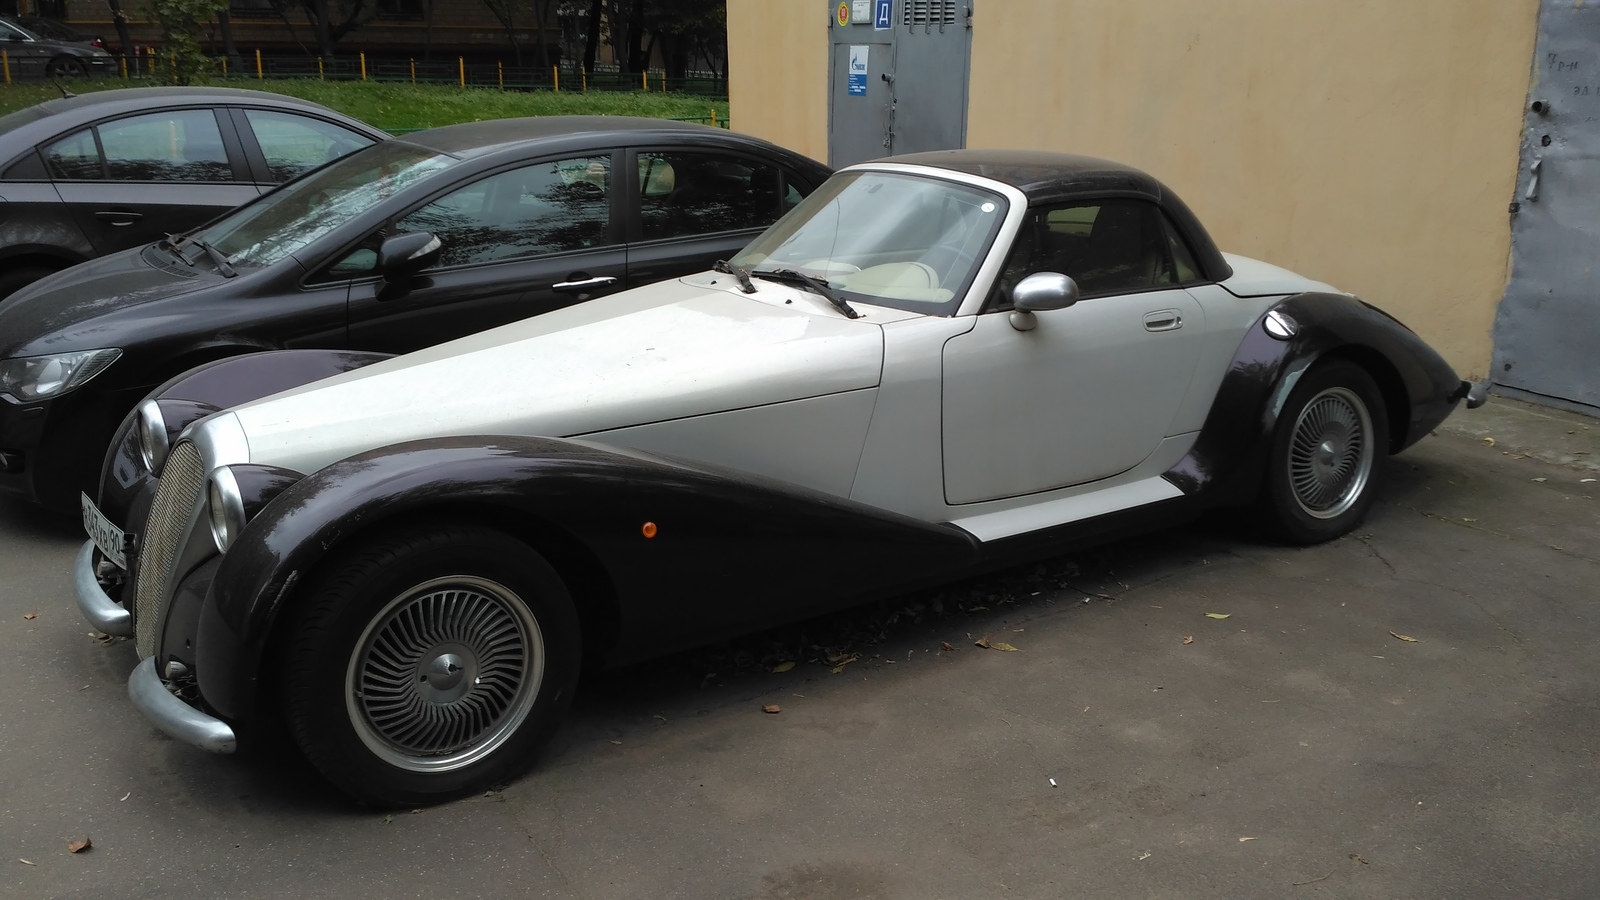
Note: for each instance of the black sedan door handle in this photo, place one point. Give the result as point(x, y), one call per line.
point(118, 217)
point(584, 284)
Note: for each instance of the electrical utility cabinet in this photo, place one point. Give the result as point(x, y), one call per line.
point(898, 77)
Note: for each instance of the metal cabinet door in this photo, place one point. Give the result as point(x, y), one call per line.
point(1547, 333)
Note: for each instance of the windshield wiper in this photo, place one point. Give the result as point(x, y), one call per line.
point(223, 266)
point(742, 275)
point(790, 276)
point(173, 244)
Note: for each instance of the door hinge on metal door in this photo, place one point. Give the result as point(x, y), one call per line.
point(1532, 196)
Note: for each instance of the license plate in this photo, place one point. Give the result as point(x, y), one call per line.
point(106, 536)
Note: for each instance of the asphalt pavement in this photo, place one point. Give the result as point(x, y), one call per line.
point(1411, 711)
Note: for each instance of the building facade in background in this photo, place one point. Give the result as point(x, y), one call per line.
point(1388, 148)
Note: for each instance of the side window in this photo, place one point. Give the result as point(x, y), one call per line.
point(181, 145)
point(544, 208)
point(1107, 246)
point(75, 157)
point(687, 193)
point(293, 144)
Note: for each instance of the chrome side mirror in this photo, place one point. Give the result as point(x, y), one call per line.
point(1039, 292)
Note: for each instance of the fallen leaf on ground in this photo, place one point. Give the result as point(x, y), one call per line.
point(1145, 855)
point(1406, 637)
point(1243, 839)
point(1002, 645)
point(1188, 639)
point(841, 661)
point(126, 796)
point(36, 615)
point(973, 609)
point(1585, 480)
point(26, 862)
point(1540, 480)
point(982, 642)
point(945, 645)
point(783, 667)
point(1360, 859)
point(615, 741)
point(1489, 441)
point(772, 709)
point(1218, 615)
point(80, 846)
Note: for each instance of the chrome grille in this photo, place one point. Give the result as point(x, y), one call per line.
point(181, 482)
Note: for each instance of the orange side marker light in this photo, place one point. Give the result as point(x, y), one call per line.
point(649, 529)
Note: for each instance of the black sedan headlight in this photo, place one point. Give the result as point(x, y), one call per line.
point(30, 378)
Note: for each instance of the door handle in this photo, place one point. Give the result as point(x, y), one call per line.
point(584, 284)
point(118, 217)
point(1533, 180)
point(1163, 320)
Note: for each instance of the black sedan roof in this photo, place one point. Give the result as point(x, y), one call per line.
point(1048, 177)
point(477, 138)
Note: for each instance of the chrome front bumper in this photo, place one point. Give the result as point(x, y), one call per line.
point(102, 612)
point(145, 688)
point(175, 717)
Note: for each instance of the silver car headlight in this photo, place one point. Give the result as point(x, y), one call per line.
point(30, 378)
point(226, 507)
point(151, 433)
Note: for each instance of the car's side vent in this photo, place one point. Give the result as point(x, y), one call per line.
point(928, 12)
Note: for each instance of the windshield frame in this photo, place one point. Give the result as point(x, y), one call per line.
point(983, 264)
point(242, 216)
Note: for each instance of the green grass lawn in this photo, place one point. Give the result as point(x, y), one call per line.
point(404, 106)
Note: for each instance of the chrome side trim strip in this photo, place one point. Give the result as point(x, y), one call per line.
point(103, 613)
point(175, 717)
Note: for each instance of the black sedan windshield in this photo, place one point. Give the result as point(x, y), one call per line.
point(291, 217)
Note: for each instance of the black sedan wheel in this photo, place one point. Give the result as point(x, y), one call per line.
point(66, 67)
point(431, 663)
point(1327, 454)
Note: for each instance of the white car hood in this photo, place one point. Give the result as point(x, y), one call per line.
point(653, 354)
point(1254, 278)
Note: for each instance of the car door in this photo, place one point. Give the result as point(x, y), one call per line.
point(1091, 389)
point(517, 242)
point(132, 180)
point(692, 207)
point(280, 144)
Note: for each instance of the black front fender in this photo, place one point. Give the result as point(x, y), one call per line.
point(1420, 389)
point(727, 552)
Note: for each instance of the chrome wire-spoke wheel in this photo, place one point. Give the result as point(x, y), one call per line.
point(445, 674)
point(1331, 452)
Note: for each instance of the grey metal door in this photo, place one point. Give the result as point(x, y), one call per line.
point(909, 93)
point(1547, 333)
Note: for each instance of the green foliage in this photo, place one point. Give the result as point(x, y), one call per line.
point(396, 107)
point(181, 21)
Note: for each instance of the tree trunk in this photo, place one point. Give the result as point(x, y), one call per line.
point(225, 23)
point(591, 41)
point(637, 61)
point(540, 11)
point(120, 20)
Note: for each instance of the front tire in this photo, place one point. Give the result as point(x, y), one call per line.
point(430, 663)
point(1327, 455)
point(67, 67)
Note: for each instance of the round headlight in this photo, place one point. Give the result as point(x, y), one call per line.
point(226, 507)
point(152, 436)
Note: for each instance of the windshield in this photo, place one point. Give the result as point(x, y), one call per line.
point(291, 217)
point(885, 238)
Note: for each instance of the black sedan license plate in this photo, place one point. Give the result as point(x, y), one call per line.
point(106, 536)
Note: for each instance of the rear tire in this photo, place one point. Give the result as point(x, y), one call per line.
point(1327, 455)
point(66, 67)
point(430, 663)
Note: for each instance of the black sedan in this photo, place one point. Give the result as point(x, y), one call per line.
point(84, 176)
point(33, 54)
point(393, 248)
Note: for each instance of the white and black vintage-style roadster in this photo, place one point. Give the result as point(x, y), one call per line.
point(933, 366)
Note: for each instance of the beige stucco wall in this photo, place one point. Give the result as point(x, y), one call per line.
point(778, 72)
point(1369, 143)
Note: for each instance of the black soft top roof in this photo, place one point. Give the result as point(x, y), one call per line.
point(1046, 177)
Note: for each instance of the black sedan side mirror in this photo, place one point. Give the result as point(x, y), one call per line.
point(404, 255)
point(1038, 292)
